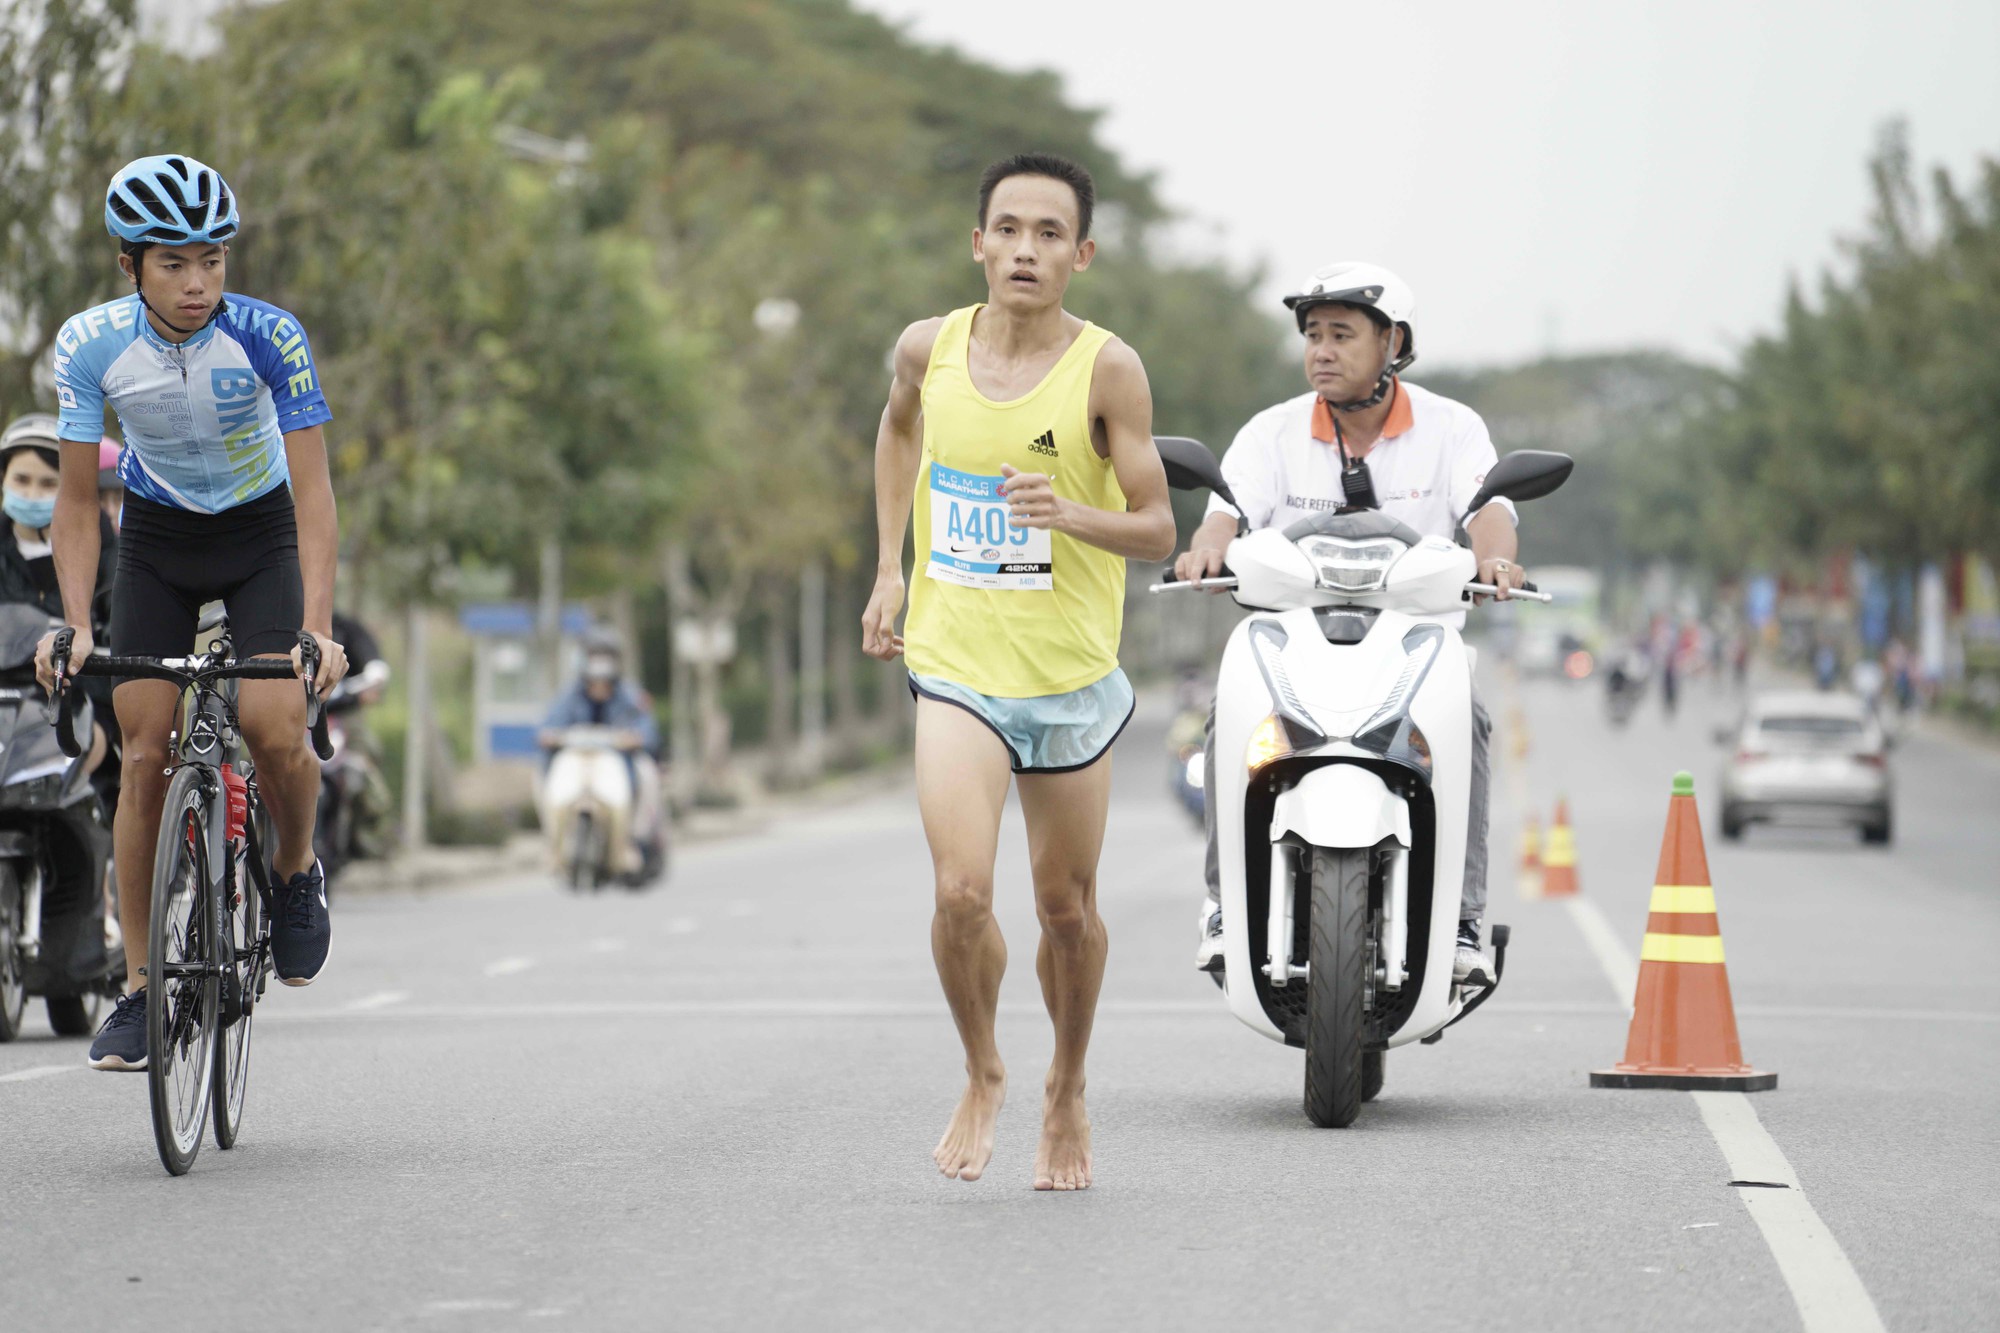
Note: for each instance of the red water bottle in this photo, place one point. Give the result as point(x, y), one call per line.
point(239, 801)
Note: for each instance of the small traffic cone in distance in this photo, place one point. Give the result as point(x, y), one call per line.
point(1683, 1031)
point(1559, 856)
point(1531, 858)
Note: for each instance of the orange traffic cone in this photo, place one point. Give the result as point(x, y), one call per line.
point(1559, 857)
point(1683, 1023)
point(1531, 858)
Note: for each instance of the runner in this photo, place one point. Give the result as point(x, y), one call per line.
point(1020, 439)
point(229, 498)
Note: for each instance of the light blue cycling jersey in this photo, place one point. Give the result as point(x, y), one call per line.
point(204, 421)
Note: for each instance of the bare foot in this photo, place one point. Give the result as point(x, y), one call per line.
point(1062, 1162)
point(967, 1145)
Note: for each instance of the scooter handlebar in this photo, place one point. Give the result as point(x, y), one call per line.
point(1527, 592)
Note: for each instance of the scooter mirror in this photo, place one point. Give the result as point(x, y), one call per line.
point(1525, 474)
point(1190, 466)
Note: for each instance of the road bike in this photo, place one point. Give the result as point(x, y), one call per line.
point(209, 938)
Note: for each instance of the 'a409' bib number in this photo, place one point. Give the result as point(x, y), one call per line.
point(973, 544)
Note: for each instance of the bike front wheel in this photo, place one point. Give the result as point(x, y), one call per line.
point(243, 983)
point(183, 947)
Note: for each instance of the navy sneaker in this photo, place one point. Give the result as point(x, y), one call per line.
point(302, 929)
point(121, 1042)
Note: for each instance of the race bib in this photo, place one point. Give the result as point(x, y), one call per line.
point(973, 544)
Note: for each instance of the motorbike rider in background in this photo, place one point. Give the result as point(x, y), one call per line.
point(361, 752)
point(602, 697)
point(1421, 456)
point(30, 467)
point(110, 486)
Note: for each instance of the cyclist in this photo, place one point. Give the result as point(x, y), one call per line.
point(227, 497)
point(602, 697)
point(1427, 456)
point(1021, 438)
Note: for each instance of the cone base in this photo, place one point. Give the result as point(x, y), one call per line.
point(1755, 1080)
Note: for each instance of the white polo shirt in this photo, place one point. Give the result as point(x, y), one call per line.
point(1431, 460)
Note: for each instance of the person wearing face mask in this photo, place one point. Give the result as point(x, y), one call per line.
point(30, 471)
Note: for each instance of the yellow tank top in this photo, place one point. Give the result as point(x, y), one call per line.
point(1010, 612)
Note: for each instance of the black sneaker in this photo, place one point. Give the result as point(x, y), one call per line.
point(1468, 962)
point(302, 929)
point(121, 1042)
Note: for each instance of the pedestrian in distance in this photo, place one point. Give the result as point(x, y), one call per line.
point(1018, 444)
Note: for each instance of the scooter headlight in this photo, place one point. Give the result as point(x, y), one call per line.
point(1269, 743)
point(1351, 566)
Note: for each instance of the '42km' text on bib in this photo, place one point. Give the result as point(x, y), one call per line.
point(973, 544)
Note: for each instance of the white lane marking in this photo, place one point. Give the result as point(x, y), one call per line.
point(381, 999)
point(39, 1071)
point(1621, 969)
point(752, 1009)
point(1824, 1284)
point(507, 967)
point(743, 909)
point(474, 1306)
point(607, 946)
point(683, 925)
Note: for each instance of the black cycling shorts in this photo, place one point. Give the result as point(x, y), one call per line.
point(172, 561)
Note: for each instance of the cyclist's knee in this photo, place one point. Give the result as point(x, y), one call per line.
point(146, 760)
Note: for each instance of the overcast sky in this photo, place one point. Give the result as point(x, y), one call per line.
point(1584, 175)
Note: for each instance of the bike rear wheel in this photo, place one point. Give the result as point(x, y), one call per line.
point(246, 956)
point(1336, 986)
point(183, 949)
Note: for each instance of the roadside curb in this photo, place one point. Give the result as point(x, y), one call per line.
point(453, 867)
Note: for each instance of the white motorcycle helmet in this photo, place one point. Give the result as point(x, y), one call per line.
point(1376, 290)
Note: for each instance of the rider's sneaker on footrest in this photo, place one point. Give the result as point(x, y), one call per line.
point(121, 1042)
point(302, 928)
point(1468, 963)
point(1208, 958)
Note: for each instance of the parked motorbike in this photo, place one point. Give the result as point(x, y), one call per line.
point(352, 792)
point(588, 806)
point(55, 850)
point(1342, 782)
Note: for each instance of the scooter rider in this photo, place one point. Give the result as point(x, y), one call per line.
point(30, 470)
point(1362, 438)
point(602, 697)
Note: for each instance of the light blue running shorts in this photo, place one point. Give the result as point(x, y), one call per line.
point(1050, 733)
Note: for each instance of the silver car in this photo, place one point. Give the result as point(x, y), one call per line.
point(1817, 757)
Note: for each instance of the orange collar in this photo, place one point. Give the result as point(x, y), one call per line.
point(1399, 420)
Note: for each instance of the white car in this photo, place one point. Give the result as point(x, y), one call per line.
point(1818, 757)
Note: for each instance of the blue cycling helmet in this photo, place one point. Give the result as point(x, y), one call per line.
point(169, 199)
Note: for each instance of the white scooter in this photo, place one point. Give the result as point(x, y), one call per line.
point(587, 808)
point(1342, 779)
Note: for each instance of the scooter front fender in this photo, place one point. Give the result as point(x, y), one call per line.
point(1341, 805)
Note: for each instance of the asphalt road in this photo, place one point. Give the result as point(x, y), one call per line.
point(712, 1106)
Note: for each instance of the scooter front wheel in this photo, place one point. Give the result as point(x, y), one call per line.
point(1336, 986)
